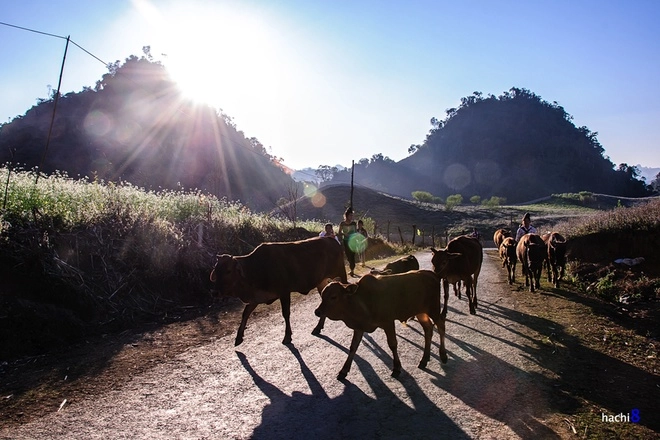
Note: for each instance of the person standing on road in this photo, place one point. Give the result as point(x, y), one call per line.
point(347, 230)
point(526, 227)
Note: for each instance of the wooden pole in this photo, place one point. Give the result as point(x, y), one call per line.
point(52, 119)
point(352, 174)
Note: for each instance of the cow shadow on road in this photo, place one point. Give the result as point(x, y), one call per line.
point(497, 389)
point(352, 414)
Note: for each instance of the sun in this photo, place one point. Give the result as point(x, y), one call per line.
point(222, 57)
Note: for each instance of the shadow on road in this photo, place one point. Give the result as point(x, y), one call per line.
point(586, 373)
point(353, 414)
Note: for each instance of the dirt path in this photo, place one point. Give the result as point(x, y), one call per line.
point(500, 382)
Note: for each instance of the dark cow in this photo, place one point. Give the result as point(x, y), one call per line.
point(377, 301)
point(531, 252)
point(509, 258)
point(459, 261)
point(273, 270)
point(402, 265)
point(556, 259)
point(500, 235)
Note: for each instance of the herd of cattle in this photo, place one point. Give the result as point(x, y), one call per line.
point(534, 252)
point(398, 292)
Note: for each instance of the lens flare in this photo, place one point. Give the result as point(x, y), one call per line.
point(98, 123)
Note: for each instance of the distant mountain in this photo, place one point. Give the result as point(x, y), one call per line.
point(135, 126)
point(309, 174)
point(515, 146)
point(648, 173)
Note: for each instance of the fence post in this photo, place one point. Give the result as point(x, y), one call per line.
point(401, 236)
point(414, 234)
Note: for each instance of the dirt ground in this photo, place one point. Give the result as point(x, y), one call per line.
point(572, 360)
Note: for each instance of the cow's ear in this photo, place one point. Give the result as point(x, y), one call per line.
point(352, 289)
point(434, 251)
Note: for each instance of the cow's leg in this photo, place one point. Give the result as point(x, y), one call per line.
point(457, 289)
point(440, 324)
point(247, 311)
point(513, 272)
point(445, 286)
point(319, 326)
point(355, 343)
point(426, 323)
point(474, 291)
point(285, 300)
point(391, 342)
point(470, 292)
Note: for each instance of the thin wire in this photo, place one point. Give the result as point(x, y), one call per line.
point(32, 30)
point(55, 36)
point(89, 53)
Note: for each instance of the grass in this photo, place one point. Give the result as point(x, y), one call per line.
point(93, 256)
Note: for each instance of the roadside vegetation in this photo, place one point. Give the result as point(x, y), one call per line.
point(81, 256)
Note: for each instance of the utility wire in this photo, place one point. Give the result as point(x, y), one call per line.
point(54, 36)
point(32, 30)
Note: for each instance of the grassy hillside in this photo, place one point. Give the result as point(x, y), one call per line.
point(329, 203)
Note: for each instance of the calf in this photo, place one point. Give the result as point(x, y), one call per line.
point(273, 270)
point(556, 258)
point(531, 251)
point(509, 258)
point(377, 301)
point(500, 235)
point(459, 261)
point(402, 265)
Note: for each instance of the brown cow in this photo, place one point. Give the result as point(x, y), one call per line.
point(459, 261)
point(531, 252)
point(509, 258)
point(500, 235)
point(555, 261)
point(377, 301)
point(402, 265)
point(273, 270)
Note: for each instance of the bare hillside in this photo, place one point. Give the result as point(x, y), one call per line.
point(329, 203)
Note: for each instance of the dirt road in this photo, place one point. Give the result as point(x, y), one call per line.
point(493, 385)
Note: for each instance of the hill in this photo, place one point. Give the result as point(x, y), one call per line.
point(135, 126)
point(387, 211)
point(515, 146)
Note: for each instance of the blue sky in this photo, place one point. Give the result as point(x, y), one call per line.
point(322, 82)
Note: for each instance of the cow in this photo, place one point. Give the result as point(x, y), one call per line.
point(500, 235)
point(401, 265)
point(555, 261)
point(273, 270)
point(531, 252)
point(509, 258)
point(377, 301)
point(459, 261)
